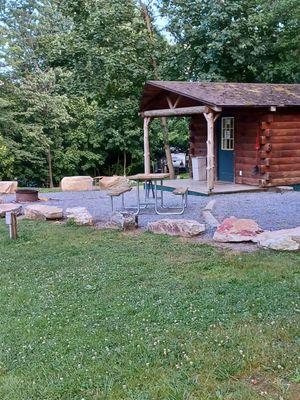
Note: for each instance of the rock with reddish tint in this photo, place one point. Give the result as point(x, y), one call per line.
point(123, 220)
point(43, 212)
point(283, 239)
point(237, 230)
point(176, 227)
point(9, 207)
point(79, 215)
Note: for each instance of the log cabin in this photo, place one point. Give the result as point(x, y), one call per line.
point(248, 132)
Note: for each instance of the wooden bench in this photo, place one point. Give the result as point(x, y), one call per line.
point(183, 192)
point(116, 192)
point(180, 191)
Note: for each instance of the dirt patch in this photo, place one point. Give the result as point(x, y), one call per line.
point(274, 388)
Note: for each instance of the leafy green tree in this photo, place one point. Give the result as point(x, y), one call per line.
point(39, 109)
point(110, 55)
point(245, 40)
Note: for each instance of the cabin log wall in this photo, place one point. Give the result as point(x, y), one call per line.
point(198, 136)
point(282, 129)
point(246, 157)
point(278, 136)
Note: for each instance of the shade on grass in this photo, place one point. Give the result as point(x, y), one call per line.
point(89, 314)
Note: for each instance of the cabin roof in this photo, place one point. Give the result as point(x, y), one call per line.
point(224, 94)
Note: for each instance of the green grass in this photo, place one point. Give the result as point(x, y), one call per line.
point(90, 314)
point(49, 190)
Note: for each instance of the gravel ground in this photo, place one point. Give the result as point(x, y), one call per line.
point(271, 210)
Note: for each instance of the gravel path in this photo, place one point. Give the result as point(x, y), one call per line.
point(271, 210)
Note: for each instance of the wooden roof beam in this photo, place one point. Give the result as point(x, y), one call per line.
point(215, 108)
point(174, 112)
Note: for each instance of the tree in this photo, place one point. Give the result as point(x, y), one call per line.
point(111, 58)
point(164, 123)
point(245, 41)
point(39, 110)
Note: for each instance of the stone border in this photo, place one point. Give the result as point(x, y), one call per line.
point(208, 216)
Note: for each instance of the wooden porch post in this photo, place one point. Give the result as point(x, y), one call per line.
point(210, 119)
point(146, 146)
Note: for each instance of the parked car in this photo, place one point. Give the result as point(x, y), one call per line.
point(179, 160)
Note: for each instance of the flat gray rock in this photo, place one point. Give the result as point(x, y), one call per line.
point(79, 215)
point(283, 239)
point(177, 227)
point(124, 220)
point(43, 212)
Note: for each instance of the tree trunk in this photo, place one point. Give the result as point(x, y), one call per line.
point(124, 163)
point(50, 172)
point(164, 123)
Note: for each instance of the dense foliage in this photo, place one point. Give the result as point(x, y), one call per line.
point(72, 73)
point(241, 41)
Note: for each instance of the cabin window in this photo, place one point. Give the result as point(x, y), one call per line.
point(227, 134)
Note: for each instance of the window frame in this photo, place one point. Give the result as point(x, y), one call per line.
point(227, 144)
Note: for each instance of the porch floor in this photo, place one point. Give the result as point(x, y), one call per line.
point(199, 188)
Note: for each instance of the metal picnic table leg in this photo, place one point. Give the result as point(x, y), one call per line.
point(184, 203)
point(162, 194)
point(138, 198)
point(155, 199)
point(161, 198)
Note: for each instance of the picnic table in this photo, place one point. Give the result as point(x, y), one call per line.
point(148, 180)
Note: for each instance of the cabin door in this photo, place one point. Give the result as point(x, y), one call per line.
point(225, 150)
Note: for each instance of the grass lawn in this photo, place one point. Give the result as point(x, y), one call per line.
point(89, 314)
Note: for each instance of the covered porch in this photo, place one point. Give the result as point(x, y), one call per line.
point(161, 101)
point(210, 113)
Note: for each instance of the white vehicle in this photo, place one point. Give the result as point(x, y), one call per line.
point(179, 160)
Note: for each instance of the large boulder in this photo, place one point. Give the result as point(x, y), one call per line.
point(79, 215)
point(177, 227)
point(43, 212)
point(9, 207)
point(112, 182)
point(8, 187)
point(76, 183)
point(237, 230)
point(283, 239)
point(124, 220)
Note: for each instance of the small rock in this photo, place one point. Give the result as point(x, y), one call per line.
point(283, 239)
point(237, 230)
point(79, 215)
point(6, 207)
point(43, 212)
point(124, 220)
point(177, 227)
point(1, 200)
